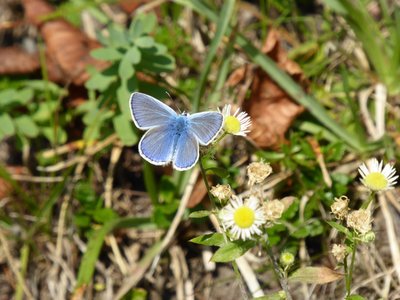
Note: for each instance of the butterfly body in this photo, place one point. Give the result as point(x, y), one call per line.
point(171, 137)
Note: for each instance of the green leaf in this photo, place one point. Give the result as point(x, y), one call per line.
point(104, 215)
point(106, 54)
point(7, 126)
point(7, 97)
point(220, 172)
point(355, 297)
point(44, 111)
point(88, 262)
point(60, 134)
point(24, 96)
point(149, 22)
point(26, 126)
point(315, 275)
point(199, 214)
point(212, 239)
point(123, 95)
point(118, 37)
point(341, 229)
point(126, 69)
point(135, 28)
point(124, 129)
point(134, 55)
point(145, 42)
point(232, 250)
point(100, 82)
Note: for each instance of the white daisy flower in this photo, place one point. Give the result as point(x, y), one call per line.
point(242, 219)
point(376, 177)
point(237, 123)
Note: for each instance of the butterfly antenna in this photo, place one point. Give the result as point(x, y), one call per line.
point(177, 108)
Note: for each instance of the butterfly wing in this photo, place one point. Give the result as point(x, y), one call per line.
point(206, 125)
point(148, 112)
point(157, 145)
point(186, 151)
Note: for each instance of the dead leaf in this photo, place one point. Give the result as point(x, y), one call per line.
point(15, 60)
point(272, 111)
point(315, 275)
point(67, 48)
point(198, 194)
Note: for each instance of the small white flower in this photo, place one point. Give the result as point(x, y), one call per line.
point(377, 177)
point(242, 219)
point(237, 123)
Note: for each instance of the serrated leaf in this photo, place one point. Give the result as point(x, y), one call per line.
point(212, 239)
point(199, 214)
point(232, 250)
point(7, 126)
point(124, 129)
point(315, 275)
point(26, 126)
point(106, 54)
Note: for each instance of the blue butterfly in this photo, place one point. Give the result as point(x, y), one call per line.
point(171, 137)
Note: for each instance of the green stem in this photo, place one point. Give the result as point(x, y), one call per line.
point(203, 174)
point(367, 203)
point(19, 292)
point(277, 270)
point(346, 272)
point(350, 273)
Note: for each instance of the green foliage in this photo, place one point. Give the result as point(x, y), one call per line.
point(27, 112)
point(128, 52)
point(232, 250)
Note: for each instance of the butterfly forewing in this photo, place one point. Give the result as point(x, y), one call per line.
point(157, 145)
point(186, 151)
point(206, 125)
point(148, 112)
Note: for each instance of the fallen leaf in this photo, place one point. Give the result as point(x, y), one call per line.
point(315, 275)
point(67, 48)
point(272, 111)
point(15, 60)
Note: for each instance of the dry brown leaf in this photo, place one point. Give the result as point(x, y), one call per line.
point(67, 48)
point(315, 275)
point(272, 111)
point(198, 194)
point(14, 60)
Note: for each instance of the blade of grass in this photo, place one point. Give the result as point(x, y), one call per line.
point(284, 80)
point(222, 27)
point(24, 258)
point(89, 259)
point(222, 75)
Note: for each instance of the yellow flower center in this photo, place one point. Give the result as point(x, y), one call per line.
point(376, 181)
point(244, 217)
point(232, 125)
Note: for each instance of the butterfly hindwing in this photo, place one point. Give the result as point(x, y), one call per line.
point(148, 112)
point(157, 145)
point(186, 151)
point(206, 125)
